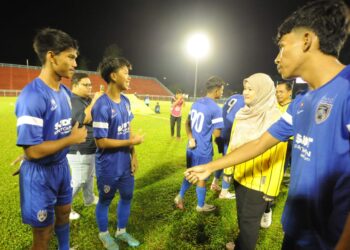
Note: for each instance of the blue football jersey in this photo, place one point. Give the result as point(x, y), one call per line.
point(319, 192)
point(43, 114)
point(229, 110)
point(205, 116)
point(112, 120)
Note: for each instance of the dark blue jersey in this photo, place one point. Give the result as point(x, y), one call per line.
point(319, 192)
point(205, 116)
point(112, 120)
point(43, 114)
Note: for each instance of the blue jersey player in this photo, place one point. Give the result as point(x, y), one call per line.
point(116, 160)
point(318, 200)
point(45, 132)
point(204, 120)
point(229, 110)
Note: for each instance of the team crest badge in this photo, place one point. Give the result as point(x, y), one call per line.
point(322, 112)
point(106, 188)
point(53, 104)
point(42, 215)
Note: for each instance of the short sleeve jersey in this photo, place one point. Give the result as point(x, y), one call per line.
point(319, 192)
point(205, 116)
point(43, 114)
point(112, 120)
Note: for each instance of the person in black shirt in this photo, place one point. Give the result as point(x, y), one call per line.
point(81, 157)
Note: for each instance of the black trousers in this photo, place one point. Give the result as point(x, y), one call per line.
point(250, 208)
point(174, 120)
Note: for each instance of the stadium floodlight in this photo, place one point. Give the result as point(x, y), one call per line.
point(197, 47)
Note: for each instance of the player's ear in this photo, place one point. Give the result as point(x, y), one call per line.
point(114, 76)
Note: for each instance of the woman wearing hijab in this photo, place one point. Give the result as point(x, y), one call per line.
point(256, 181)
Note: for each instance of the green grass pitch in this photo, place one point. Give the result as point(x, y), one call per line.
point(153, 221)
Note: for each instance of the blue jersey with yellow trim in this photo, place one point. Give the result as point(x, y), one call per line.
point(43, 114)
point(319, 192)
point(205, 116)
point(112, 120)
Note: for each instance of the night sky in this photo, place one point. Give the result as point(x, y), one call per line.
point(152, 35)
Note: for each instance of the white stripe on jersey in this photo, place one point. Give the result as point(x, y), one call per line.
point(30, 120)
point(217, 120)
point(348, 126)
point(100, 125)
point(288, 118)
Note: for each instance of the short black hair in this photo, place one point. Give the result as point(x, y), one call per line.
point(329, 19)
point(214, 82)
point(55, 40)
point(110, 65)
point(179, 91)
point(289, 85)
point(77, 77)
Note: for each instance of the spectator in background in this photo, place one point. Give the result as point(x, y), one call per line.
point(147, 100)
point(157, 108)
point(81, 157)
point(178, 103)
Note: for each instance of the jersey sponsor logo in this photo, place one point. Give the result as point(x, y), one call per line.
point(323, 111)
point(63, 126)
point(124, 128)
point(53, 104)
point(41, 215)
point(106, 189)
point(302, 143)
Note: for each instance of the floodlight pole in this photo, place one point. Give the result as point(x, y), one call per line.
point(195, 80)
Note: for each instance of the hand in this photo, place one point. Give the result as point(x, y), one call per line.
point(19, 160)
point(97, 95)
point(137, 139)
point(191, 143)
point(78, 135)
point(134, 164)
point(198, 173)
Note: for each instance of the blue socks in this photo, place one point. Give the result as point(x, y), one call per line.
point(184, 187)
point(123, 213)
point(102, 215)
point(225, 184)
point(201, 192)
point(62, 234)
point(218, 173)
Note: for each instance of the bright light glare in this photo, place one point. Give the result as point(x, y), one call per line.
point(198, 45)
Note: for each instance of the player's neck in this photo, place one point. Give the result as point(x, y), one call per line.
point(211, 95)
point(320, 70)
point(285, 102)
point(50, 78)
point(114, 92)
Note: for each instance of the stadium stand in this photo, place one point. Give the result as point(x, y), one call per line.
point(14, 77)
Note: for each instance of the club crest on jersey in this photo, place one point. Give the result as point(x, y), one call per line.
point(53, 104)
point(106, 188)
point(322, 112)
point(42, 215)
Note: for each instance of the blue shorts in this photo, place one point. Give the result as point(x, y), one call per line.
point(107, 187)
point(194, 160)
point(42, 188)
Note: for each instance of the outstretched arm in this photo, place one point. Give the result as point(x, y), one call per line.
point(242, 154)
